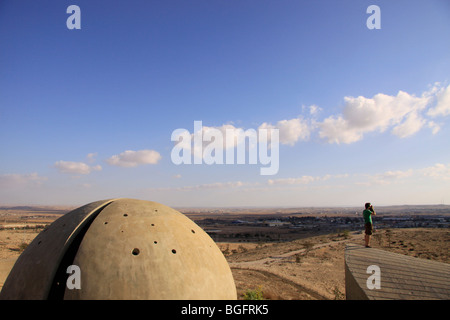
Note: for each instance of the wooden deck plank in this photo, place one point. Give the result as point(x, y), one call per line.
point(401, 277)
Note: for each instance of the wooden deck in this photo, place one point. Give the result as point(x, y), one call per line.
point(401, 277)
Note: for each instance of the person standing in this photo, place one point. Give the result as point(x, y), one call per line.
point(367, 214)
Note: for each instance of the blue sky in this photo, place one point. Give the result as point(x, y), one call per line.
point(363, 114)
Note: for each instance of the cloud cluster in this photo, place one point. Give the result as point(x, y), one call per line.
point(292, 181)
point(438, 171)
point(132, 158)
point(127, 159)
point(305, 179)
point(215, 185)
point(385, 178)
point(211, 143)
point(442, 107)
point(290, 131)
point(18, 180)
point(75, 167)
point(404, 114)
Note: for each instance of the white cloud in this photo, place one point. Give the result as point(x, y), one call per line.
point(91, 157)
point(385, 178)
point(403, 115)
point(396, 174)
point(438, 171)
point(434, 127)
point(290, 131)
point(212, 144)
point(362, 115)
point(314, 110)
point(131, 158)
point(252, 185)
point(215, 185)
point(75, 167)
point(206, 186)
point(186, 139)
point(338, 130)
point(305, 179)
point(412, 124)
point(334, 176)
point(291, 181)
point(442, 107)
point(17, 180)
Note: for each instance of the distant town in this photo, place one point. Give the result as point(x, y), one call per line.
point(266, 224)
point(291, 224)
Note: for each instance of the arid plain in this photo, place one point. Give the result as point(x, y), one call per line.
point(308, 268)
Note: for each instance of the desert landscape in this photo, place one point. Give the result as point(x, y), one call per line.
point(313, 268)
point(297, 265)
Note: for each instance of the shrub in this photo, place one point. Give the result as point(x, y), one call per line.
point(338, 295)
point(346, 234)
point(22, 246)
point(255, 294)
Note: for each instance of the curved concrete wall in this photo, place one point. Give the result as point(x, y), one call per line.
point(125, 249)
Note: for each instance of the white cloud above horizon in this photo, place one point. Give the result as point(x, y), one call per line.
point(438, 171)
point(290, 131)
point(385, 178)
point(442, 107)
point(403, 115)
point(130, 158)
point(18, 180)
point(75, 167)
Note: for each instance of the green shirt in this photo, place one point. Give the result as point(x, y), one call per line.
point(367, 214)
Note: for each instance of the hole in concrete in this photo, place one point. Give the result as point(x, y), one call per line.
point(153, 224)
point(174, 251)
point(125, 215)
point(135, 251)
point(106, 222)
point(155, 242)
point(193, 231)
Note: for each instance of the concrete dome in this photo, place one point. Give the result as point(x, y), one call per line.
point(125, 249)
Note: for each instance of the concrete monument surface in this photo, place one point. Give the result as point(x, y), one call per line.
point(121, 249)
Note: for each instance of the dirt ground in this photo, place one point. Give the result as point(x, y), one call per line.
point(313, 268)
point(307, 269)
